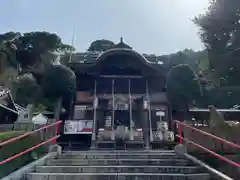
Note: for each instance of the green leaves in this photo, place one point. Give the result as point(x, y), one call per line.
point(59, 81)
point(27, 90)
point(220, 33)
point(30, 46)
point(101, 45)
point(183, 87)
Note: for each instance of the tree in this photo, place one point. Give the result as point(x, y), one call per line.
point(8, 53)
point(30, 46)
point(187, 56)
point(36, 53)
point(26, 90)
point(9, 36)
point(183, 87)
point(8, 65)
point(33, 44)
point(100, 45)
point(59, 82)
point(220, 33)
point(41, 42)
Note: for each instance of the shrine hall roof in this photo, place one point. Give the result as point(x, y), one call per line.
point(119, 48)
point(91, 57)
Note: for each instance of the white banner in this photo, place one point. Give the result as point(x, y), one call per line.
point(160, 113)
point(78, 127)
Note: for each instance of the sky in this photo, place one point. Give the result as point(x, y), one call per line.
point(149, 26)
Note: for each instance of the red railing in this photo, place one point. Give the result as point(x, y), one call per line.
point(53, 139)
point(181, 125)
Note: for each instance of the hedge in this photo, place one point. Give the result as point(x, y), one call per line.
point(15, 147)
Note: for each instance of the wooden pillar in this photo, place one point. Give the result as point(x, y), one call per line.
point(149, 111)
point(148, 107)
point(145, 125)
point(113, 111)
point(130, 111)
point(169, 116)
point(95, 104)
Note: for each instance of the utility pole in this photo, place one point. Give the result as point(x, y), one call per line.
point(71, 52)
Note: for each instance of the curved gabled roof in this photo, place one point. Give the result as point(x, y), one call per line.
point(153, 67)
point(122, 49)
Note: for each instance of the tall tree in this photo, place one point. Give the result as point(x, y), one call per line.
point(100, 45)
point(26, 90)
point(9, 36)
point(30, 46)
point(183, 87)
point(59, 81)
point(35, 52)
point(220, 33)
point(187, 56)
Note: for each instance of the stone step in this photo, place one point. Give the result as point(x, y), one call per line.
point(132, 162)
point(119, 169)
point(116, 176)
point(119, 152)
point(119, 156)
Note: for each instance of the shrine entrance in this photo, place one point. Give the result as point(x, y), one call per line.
point(118, 110)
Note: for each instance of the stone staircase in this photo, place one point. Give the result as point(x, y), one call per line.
point(118, 165)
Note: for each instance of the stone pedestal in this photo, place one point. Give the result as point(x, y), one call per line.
point(94, 126)
point(93, 145)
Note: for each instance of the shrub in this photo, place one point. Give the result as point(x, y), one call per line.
point(16, 147)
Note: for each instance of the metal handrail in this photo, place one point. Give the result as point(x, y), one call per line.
point(181, 139)
point(30, 133)
point(211, 152)
point(53, 139)
point(208, 134)
point(210, 169)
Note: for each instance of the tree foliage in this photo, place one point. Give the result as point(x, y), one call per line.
point(35, 52)
point(41, 42)
point(100, 45)
point(220, 33)
point(7, 56)
point(59, 81)
point(26, 89)
point(183, 87)
point(9, 36)
point(30, 46)
point(187, 56)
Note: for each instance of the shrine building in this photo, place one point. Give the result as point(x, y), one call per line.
point(120, 94)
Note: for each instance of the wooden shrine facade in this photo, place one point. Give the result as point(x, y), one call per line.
point(120, 96)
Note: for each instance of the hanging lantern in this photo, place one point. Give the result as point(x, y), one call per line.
point(169, 136)
point(159, 135)
point(162, 126)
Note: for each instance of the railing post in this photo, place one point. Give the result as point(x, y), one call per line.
point(56, 129)
point(56, 132)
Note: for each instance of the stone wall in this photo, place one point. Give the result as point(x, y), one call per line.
point(227, 130)
point(223, 131)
